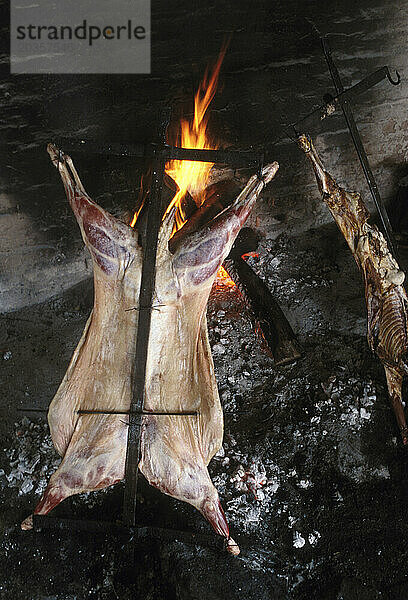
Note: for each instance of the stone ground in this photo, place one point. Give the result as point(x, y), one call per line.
point(312, 473)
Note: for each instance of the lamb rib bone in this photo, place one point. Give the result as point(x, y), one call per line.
point(175, 450)
point(386, 299)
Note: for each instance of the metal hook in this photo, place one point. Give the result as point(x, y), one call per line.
point(391, 80)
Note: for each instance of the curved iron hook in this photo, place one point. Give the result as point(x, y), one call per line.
point(391, 80)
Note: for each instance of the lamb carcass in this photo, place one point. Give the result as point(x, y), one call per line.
point(175, 450)
point(385, 295)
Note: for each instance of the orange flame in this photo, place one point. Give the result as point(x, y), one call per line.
point(142, 192)
point(136, 214)
point(192, 176)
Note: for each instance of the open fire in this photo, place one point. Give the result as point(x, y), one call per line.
point(191, 177)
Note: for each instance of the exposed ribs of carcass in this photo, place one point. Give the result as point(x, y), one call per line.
point(175, 450)
point(385, 295)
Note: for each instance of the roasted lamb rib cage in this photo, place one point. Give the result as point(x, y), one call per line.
point(175, 450)
point(386, 299)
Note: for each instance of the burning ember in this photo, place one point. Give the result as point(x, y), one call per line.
point(224, 279)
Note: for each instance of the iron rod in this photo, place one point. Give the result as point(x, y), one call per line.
point(45, 522)
point(147, 285)
point(142, 412)
point(127, 412)
point(230, 157)
point(360, 87)
point(163, 151)
point(366, 83)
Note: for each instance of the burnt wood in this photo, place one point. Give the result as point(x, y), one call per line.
point(266, 311)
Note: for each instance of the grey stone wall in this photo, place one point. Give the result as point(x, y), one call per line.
point(274, 73)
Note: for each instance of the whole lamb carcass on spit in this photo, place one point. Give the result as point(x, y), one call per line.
point(386, 299)
point(175, 450)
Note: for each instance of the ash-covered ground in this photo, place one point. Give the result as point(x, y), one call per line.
point(312, 473)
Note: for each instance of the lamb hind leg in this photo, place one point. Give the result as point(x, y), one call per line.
point(55, 493)
point(63, 484)
point(92, 462)
point(214, 513)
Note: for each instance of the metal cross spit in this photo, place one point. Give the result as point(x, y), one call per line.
point(158, 153)
point(342, 100)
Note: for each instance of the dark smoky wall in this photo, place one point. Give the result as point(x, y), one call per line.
point(274, 72)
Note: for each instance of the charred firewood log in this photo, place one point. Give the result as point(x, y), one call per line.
point(268, 319)
point(385, 295)
point(175, 450)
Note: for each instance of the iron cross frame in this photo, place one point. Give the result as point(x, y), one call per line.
point(351, 124)
point(342, 100)
point(158, 153)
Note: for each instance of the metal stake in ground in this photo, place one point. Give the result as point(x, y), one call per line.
point(147, 286)
point(348, 115)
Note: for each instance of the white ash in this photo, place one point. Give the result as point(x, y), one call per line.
point(32, 458)
point(313, 538)
point(340, 409)
point(298, 540)
point(291, 521)
point(249, 488)
point(218, 349)
point(355, 397)
point(304, 484)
